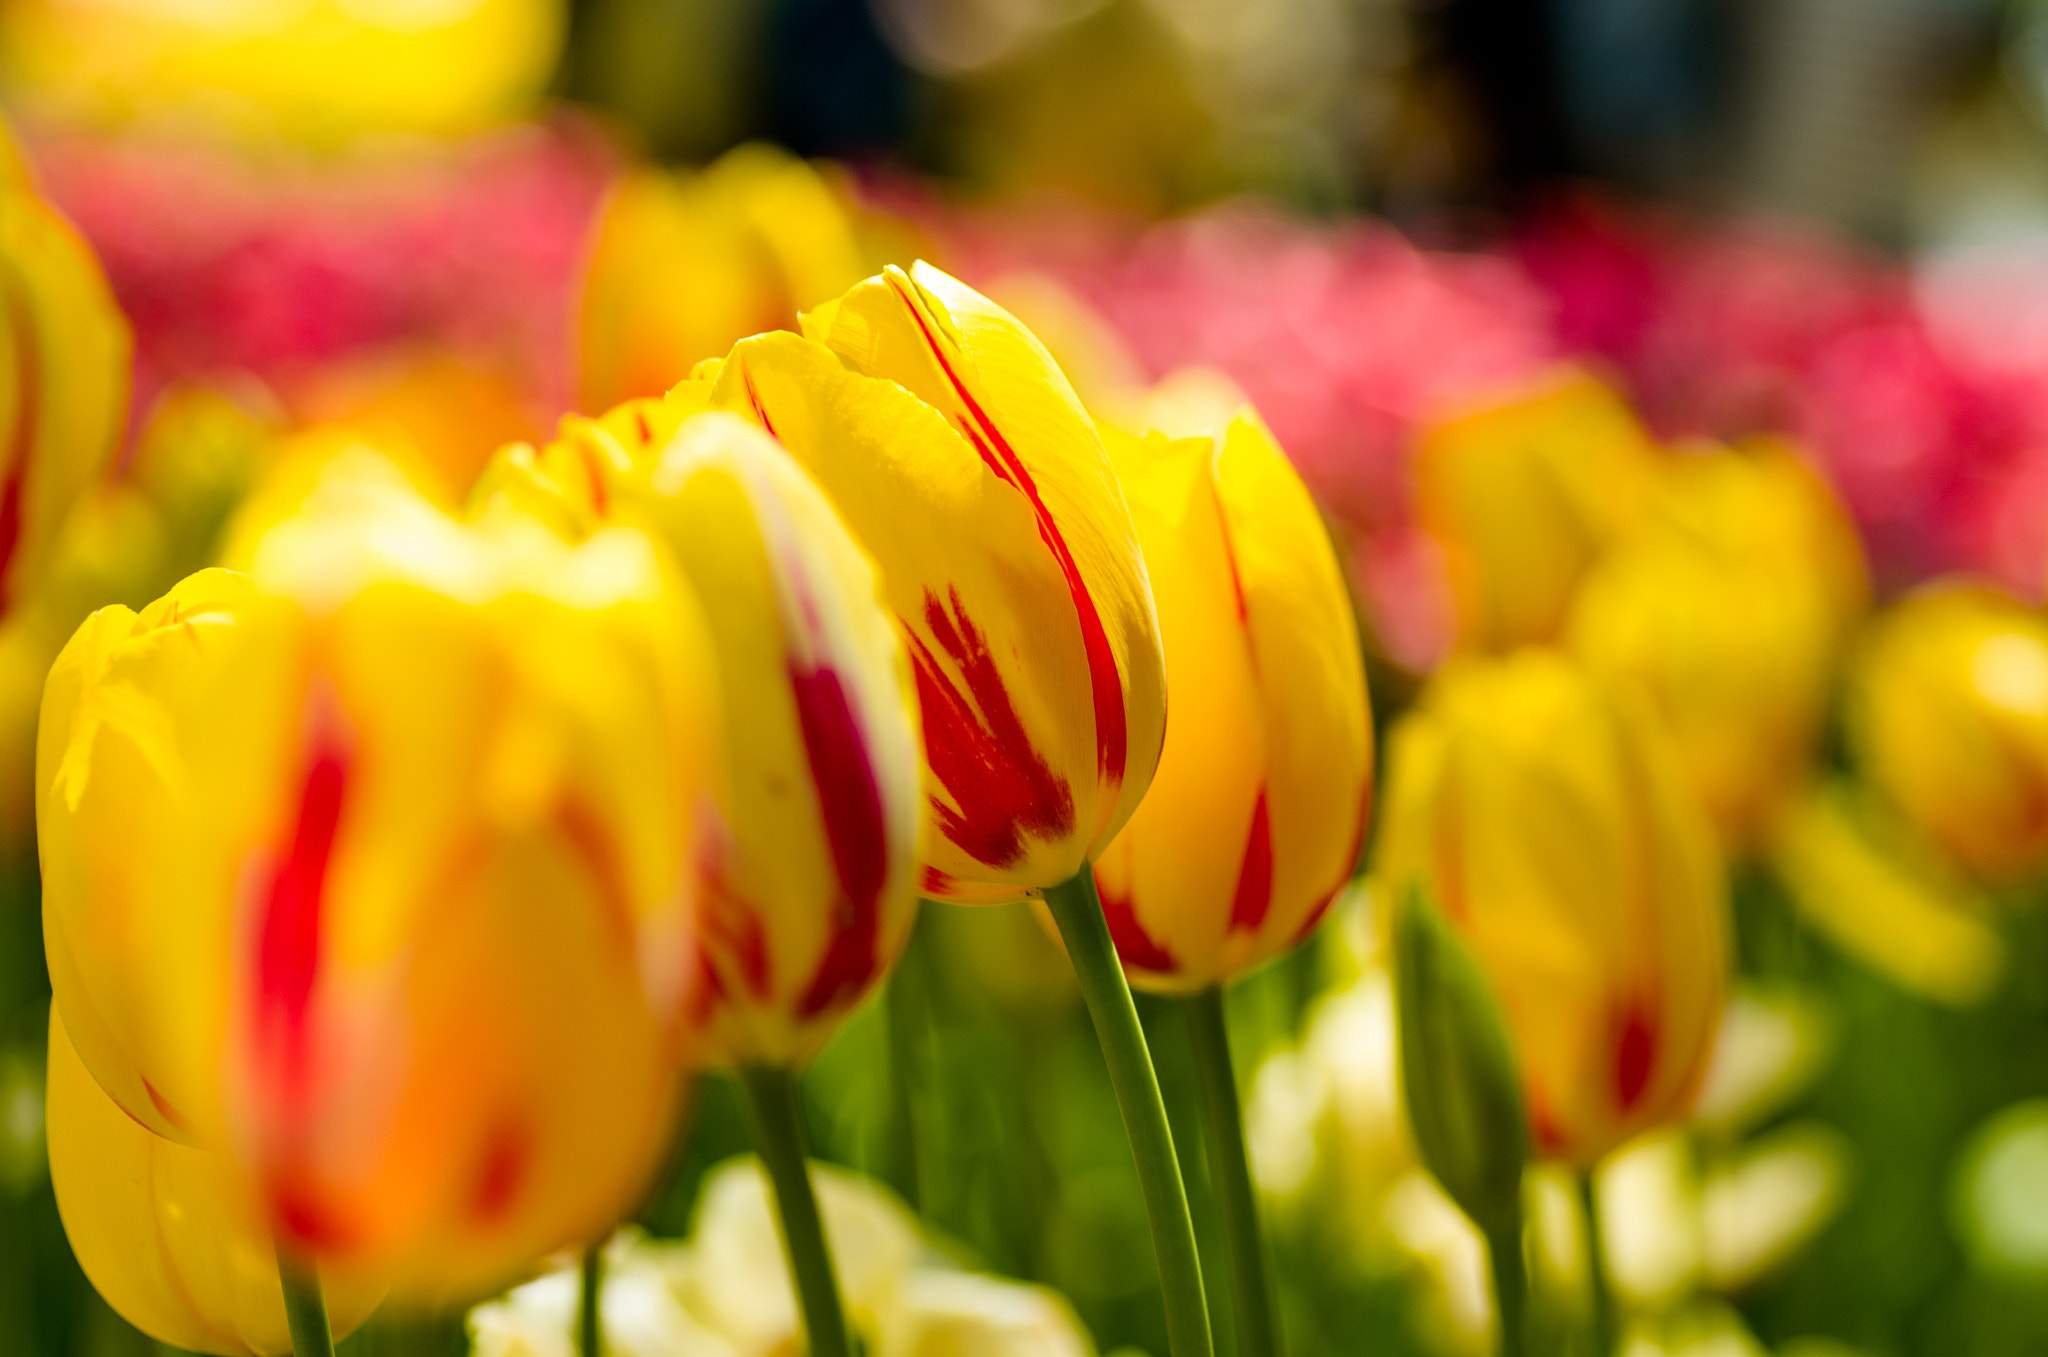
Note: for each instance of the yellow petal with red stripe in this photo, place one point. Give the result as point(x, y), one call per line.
point(1254, 818)
point(174, 1238)
point(1545, 811)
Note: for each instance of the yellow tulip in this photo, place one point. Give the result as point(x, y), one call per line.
point(1949, 717)
point(961, 459)
point(1730, 607)
point(1254, 818)
point(1523, 496)
point(812, 888)
point(685, 266)
point(320, 70)
point(173, 1237)
point(370, 867)
point(63, 384)
point(1544, 811)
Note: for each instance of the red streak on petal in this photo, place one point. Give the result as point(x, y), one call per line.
point(1322, 905)
point(594, 472)
point(306, 1222)
point(937, 884)
point(288, 932)
point(640, 421)
point(1105, 686)
point(586, 833)
point(501, 1169)
point(1635, 1056)
point(1254, 897)
point(978, 749)
point(28, 382)
point(856, 830)
point(1543, 1126)
point(163, 1107)
point(1134, 945)
point(754, 399)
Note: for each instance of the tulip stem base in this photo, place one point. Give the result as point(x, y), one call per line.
point(1510, 1287)
point(589, 1309)
point(1251, 1275)
point(305, 1308)
point(777, 1129)
point(1599, 1289)
point(1078, 912)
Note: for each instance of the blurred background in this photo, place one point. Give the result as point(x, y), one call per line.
point(443, 223)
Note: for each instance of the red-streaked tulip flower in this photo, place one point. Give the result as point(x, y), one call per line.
point(1545, 812)
point(952, 446)
point(173, 1237)
point(812, 887)
point(373, 868)
point(1254, 817)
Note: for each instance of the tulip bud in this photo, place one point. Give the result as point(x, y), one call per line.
point(961, 459)
point(1730, 607)
point(1457, 1068)
point(371, 867)
point(63, 401)
point(173, 1237)
point(1523, 496)
point(1254, 817)
point(1949, 718)
point(1542, 809)
point(685, 266)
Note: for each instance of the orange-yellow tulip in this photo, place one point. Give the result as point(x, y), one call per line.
point(1730, 607)
point(1523, 496)
point(812, 886)
point(371, 867)
point(1254, 818)
point(952, 446)
point(684, 266)
point(173, 1237)
point(1544, 811)
point(1949, 715)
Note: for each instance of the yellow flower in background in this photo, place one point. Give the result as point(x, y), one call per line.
point(1523, 496)
point(1543, 810)
point(63, 384)
point(1949, 718)
point(1255, 816)
point(812, 885)
point(961, 459)
point(317, 70)
point(1730, 607)
point(372, 866)
point(173, 1237)
point(686, 265)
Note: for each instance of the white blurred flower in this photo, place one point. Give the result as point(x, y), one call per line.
point(940, 1313)
point(1704, 1329)
point(1648, 1198)
point(1457, 1303)
point(1757, 1210)
point(1773, 1041)
point(640, 1313)
point(733, 1271)
point(2001, 1192)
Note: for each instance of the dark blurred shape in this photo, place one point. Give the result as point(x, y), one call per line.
point(834, 87)
point(1508, 53)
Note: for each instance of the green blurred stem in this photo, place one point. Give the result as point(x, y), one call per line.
point(589, 1313)
point(1510, 1286)
point(1251, 1276)
point(1078, 912)
point(778, 1136)
point(305, 1309)
point(1599, 1288)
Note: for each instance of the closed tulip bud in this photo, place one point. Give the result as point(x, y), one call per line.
point(1542, 809)
point(173, 1237)
point(951, 445)
point(1254, 817)
point(1730, 607)
point(372, 867)
point(1949, 717)
point(64, 394)
point(812, 885)
point(1523, 496)
point(684, 266)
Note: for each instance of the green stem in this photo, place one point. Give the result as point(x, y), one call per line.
point(1510, 1287)
point(778, 1136)
point(1078, 913)
point(1599, 1289)
point(589, 1313)
point(305, 1309)
point(1251, 1276)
